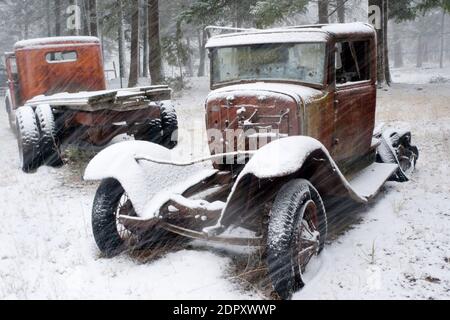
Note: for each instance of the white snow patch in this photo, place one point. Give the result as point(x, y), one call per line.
point(54, 41)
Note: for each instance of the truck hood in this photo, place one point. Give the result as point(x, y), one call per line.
point(299, 93)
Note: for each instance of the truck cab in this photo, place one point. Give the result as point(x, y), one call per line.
point(52, 65)
point(317, 81)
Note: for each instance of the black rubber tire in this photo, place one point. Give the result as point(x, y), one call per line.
point(105, 231)
point(169, 122)
point(285, 220)
point(104, 225)
point(49, 142)
point(28, 139)
point(151, 132)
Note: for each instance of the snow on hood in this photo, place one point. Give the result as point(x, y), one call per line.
point(298, 92)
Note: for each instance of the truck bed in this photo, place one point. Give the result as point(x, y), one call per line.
point(117, 100)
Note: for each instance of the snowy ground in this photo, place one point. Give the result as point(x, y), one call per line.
point(397, 249)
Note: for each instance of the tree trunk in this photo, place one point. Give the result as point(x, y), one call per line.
point(387, 67)
point(93, 17)
point(381, 69)
point(201, 46)
point(49, 25)
point(441, 54)
point(179, 36)
point(73, 32)
point(155, 59)
point(145, 36)
point(323, 11)
point(341, 10)
point(58, 18)
point(190, 68)
point(121, 41)
point(134, 60)
point(398, 50)
point(419, 62)
point(86, 17)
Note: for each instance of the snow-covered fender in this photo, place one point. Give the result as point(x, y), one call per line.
point(118, 162)
point(149, 185)
point(282, 160)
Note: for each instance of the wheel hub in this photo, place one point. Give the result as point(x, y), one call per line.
point(308, 238)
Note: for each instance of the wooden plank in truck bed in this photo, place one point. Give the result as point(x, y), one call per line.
point(118, 100)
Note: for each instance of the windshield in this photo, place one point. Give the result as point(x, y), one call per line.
point(302, 62)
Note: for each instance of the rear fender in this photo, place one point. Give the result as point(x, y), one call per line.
point(275, 164)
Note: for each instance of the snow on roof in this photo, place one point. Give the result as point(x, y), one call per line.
point(312, 33)
point(349, 28)
point(54, 40)
point(272, 36)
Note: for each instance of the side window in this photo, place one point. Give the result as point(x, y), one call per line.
point(62, 56)
point(352, 61)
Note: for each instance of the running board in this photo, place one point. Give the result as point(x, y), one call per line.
point(369, 181)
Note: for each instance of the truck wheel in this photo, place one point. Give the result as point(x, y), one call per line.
point(296, 233)
point(169, 121)
point(151, 132)
point(28, 139)
point(49, 142)
point(111, 236)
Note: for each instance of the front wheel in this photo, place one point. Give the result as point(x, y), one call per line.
point(112, 236)
point(296, 234)
point(110, 202)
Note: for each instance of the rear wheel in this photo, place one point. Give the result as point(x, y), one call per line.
point(28, 139)
point(151, 132)
point(169, 123)
point(297, 233)
point(49, 142)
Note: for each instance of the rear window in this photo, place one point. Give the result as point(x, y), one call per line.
point(61, 56)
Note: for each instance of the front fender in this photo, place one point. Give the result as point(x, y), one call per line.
point(292, 157)
point(148, 184)
point(118, 162)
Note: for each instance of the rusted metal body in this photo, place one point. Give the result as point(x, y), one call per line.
point(341, 116)
point(324, 131)
point(67, 73)
point(54, 65)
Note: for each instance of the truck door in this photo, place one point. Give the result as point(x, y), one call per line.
point(13, 80)
point(355, 101)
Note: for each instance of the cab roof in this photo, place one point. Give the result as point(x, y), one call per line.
point(54, 42)
point(295, 34)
